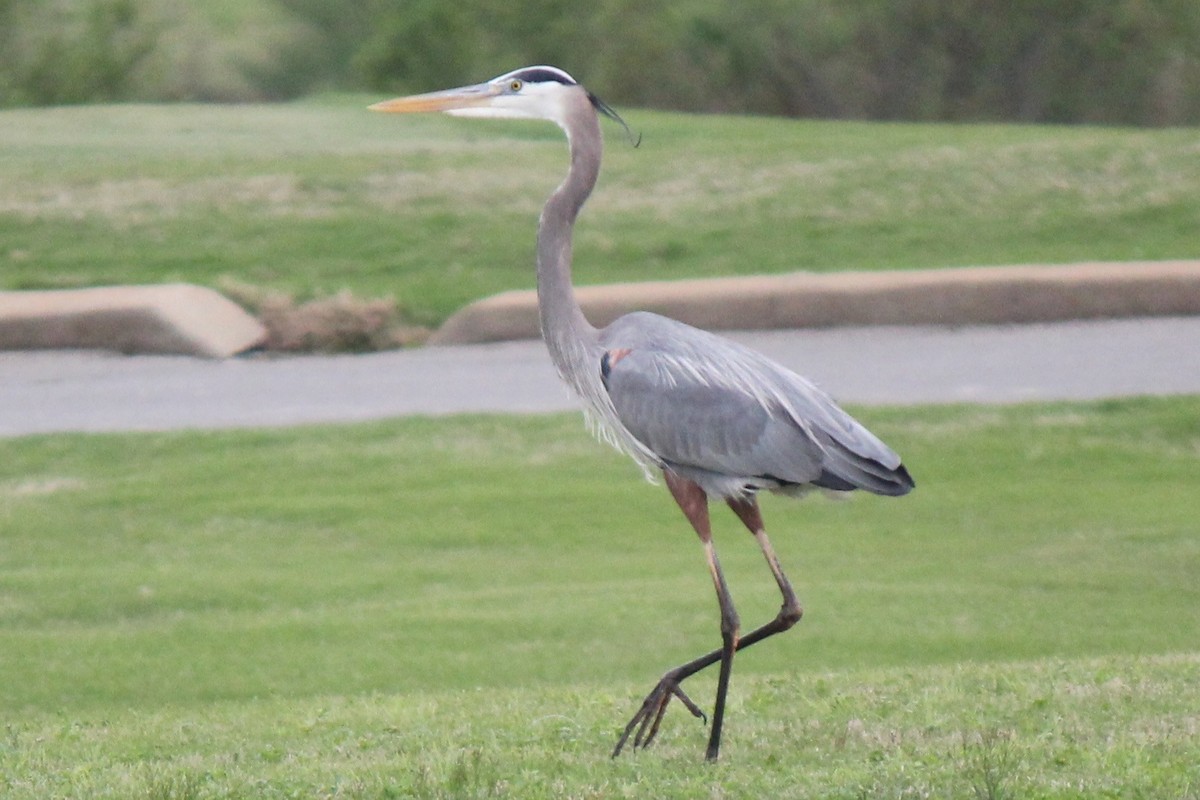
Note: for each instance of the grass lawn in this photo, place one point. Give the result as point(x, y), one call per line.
point(318, 196)
point(473, 606)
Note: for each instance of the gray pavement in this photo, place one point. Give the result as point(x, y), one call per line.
point(55, 391)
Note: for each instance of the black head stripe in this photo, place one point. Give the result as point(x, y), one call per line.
point(544, 75)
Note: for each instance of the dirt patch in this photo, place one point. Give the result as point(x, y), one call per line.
point(337, 324)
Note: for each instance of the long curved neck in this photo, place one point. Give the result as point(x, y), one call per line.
point(566, 331)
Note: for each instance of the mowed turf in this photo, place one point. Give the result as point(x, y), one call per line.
point(322, 195)
point(473, 606)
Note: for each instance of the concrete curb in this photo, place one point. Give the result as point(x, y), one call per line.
point(192, 320)
point(173, 318)
point(966, 296)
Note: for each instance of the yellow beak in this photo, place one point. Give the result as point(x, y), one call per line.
point(448, 100)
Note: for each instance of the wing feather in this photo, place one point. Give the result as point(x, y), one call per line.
point(705, 403)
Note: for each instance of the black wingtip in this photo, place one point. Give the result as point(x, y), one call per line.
point(868, 475)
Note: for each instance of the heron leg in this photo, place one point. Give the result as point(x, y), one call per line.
point(694, 503)
point(790, 612)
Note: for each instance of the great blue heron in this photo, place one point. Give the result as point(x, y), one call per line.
point(716, 418)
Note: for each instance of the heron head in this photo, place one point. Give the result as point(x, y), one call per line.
point(527, 93)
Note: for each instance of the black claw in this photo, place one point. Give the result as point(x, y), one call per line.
point(645, 723)
point(687, 702)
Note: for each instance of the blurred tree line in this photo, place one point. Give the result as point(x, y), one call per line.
point(1104, 61)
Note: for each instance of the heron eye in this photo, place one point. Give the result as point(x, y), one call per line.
point(516, 85)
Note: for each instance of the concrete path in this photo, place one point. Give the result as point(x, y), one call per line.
point(91, 391)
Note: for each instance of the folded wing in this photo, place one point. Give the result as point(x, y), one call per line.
point(732, 419)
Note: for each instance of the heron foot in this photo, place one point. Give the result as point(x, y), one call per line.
point(647, 719)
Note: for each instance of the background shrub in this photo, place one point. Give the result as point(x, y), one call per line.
point(1096, 61)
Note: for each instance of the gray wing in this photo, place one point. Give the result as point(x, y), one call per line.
point(732, 419)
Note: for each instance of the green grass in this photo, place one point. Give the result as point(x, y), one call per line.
point(1120, 728)
point(473, 606)
point(319, 196)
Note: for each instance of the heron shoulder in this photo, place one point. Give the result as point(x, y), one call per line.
point(679, 353)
